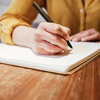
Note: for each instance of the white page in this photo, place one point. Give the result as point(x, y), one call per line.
point(22, 56)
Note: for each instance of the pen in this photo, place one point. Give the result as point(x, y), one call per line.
point(47, 18)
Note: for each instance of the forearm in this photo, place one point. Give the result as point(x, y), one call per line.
point(48, 38)
point(22, 35)
point(14, 16)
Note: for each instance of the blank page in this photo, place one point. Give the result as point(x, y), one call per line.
point(60, 63)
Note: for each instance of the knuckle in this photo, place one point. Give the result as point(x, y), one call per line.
point(97, 35)
point(56, 38)
point(58, 28)
point(68, 31)
point(41, 24)
point(88, 33)
point(92, 29)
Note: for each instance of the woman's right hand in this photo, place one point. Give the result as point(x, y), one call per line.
point(47, 39)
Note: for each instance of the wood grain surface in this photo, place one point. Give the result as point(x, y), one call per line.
point(18, 83)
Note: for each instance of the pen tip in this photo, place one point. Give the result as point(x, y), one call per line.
point(69, 44)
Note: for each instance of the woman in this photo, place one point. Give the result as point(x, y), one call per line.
point(81, 17)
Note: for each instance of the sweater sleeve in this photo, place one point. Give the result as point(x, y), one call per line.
point(18, 13)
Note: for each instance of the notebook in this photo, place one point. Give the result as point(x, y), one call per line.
point(67, 62)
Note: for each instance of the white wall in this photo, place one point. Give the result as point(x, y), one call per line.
point(5, 1)
point(4, 5)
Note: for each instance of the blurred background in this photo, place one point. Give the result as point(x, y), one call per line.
point(4, 5)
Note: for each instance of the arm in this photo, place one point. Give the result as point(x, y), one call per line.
point(18, 13)
point(48, 38)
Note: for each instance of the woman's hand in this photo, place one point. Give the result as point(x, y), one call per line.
point(48, 38)
point(87, 35)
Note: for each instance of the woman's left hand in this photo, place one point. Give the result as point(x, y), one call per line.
point(87, 35)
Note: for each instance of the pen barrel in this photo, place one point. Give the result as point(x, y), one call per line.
point(43, 14)
point(46, 17)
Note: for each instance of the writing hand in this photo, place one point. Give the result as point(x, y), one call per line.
point(49, 38)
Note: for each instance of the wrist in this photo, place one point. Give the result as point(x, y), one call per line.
point(22, 35)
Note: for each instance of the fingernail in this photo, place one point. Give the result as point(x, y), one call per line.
point(83, 39)
point(74, 40)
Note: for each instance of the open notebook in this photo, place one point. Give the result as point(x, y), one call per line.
point(66, 62)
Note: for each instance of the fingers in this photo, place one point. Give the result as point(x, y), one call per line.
point(50, 47)
point(87, 35)
point(49, 38)
point(52, 33)
point(41, 51)
point(55, 29)
point(55, 39)
point(91, 37)
point(44, 47)
point(80, 36)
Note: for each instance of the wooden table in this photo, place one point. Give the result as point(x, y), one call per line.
point(26, 84)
